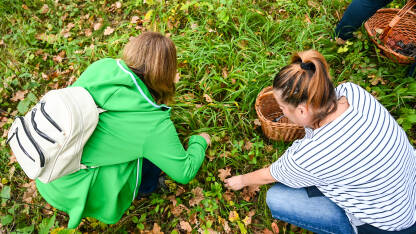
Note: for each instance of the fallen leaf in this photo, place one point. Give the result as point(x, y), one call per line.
point(233, 216)
point(44, 9)
point(379, 30)
point(25, 7)
point(224, 173)
point(224, 72)
point(249, 192)
point(198, 196)
point(257, 122)
point(156, 229)
point(30, 191)
point(88, 32)
point(134, 19)
point(228, 195)
point(340, 41)
point(185, 226)
point(47, 209)
point(118, 5)
point(307, 19)
point(193, 219)
point(97, 26)
point(224, 224)
point(177, 210)
point(247, 219)
point(19, 96)
point(313, 4)
point(208, 98)
point(108, 31)
point(1, 42)
point(275, 228)
point(11, 172)
point(267, 231)
point(248, 145)
point(179, 191)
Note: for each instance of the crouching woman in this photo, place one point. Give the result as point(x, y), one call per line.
point(355, 169)
point(135, 138)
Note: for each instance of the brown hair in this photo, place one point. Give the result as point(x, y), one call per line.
point(152, 57)
point(306, 80)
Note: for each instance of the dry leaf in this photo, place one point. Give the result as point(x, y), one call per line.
point(179, 191)
point(257, 122)
point(340, 41)
point(224, 224)
point(307, 19)
point(97, 26)
point(88, 32)
point(207, 98)
point(45, 9)
point(267, 231)
point(224, 173)
point(248, 145)
point(249, 192)
point(25, 7)
point(193, 219)
point(108, 31)
point(30, 191)
point(20, 95)
point(1, 42)
point(47, 209)
point(134, 19)
point(268, 148)
point(177, 210)
point(379, 30)
point(247, 219)
point(313, 4)
point(199, 196)
point(228, 195)
point(11, 172)
point(224, 72)
point(185, 226)
point(233, 216)
point(156, 229)
point(118, 5)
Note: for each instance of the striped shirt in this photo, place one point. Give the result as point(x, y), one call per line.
point(362, 161)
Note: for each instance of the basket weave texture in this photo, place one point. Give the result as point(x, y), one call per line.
point(397, 25)
point(267, 110)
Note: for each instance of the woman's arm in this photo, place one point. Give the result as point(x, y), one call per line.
point(259, 177)
point(164, 149)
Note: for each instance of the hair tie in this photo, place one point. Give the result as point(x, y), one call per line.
point(307, 66)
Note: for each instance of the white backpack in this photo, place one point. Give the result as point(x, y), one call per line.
point(48, 141)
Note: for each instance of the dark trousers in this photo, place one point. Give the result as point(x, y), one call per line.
point(355, 15)
point(150, 177)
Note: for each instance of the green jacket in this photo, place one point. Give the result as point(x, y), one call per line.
point(133, 127)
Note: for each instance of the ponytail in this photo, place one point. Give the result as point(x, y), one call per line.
point(306, 80)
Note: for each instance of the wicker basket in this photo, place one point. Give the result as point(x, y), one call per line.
point(267, 110)
point(396, 25)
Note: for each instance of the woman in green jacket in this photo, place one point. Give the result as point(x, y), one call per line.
point(134, 137)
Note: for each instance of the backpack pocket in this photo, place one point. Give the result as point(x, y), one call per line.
point(27, 151)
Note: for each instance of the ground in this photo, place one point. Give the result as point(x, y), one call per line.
point(228, 51)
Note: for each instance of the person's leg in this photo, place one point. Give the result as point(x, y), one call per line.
point(317, 214)
point(355, 15)
point(150, 177)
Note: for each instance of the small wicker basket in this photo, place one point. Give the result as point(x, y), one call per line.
point(267, 110)
point(395, 25)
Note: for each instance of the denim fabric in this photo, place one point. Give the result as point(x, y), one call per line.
point(355, 15)
point(368, 229)
point(317, 214)
point(150, 176)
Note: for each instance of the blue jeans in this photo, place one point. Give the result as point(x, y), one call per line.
point(355, 15)
point(317, 214)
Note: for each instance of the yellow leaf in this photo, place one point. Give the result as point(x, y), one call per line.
point(233, 216)
point(148, 16)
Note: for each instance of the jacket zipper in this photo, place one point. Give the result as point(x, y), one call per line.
point(20, 144)
point(29, 136)
point(35, 126)
point(42, 109)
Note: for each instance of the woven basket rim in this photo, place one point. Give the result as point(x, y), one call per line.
point(264, 119)
point(385, 48)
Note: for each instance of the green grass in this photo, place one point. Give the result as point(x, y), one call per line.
point(228, 50)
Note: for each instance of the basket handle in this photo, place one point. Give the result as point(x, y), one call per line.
point(409, 5)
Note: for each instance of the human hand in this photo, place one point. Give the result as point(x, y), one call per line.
point(235, 182)
point(206, 137)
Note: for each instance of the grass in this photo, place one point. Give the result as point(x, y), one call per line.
point(227, 52)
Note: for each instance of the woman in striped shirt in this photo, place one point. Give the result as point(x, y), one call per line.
point(355, 169)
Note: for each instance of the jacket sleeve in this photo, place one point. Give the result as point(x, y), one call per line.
point(164, 149)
